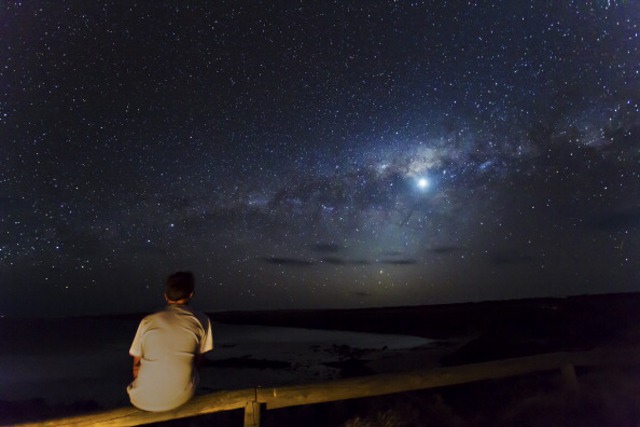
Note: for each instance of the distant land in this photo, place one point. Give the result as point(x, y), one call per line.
point(506, 328)
point(440, 320)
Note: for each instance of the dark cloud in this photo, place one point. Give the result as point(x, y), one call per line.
point(399, 261)
point(345, 261)
point(334, 260)
point(363, 294)
point(295, 262)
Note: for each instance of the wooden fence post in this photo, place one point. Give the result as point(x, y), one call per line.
point(253, 411)
point(570, 378)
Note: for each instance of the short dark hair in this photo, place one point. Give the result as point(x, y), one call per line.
point(179, 285)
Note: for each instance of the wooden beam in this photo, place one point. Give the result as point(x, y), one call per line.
point(377, 385)
point(130, 416)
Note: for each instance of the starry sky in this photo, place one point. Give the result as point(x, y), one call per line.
point(316, 154)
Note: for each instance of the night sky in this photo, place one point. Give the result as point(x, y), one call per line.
point(316, 154)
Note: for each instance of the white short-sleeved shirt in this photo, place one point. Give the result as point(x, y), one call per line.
point(167, 342)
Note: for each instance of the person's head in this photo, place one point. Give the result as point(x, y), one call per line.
point(179, 286)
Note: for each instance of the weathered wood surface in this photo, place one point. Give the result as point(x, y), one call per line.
point(375, 385)
point(130, 416)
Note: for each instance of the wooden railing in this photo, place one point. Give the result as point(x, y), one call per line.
point(255, 400)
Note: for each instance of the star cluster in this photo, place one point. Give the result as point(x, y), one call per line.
point(317, 154)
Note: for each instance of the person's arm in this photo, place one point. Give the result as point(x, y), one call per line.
point(136, 366)
point(135, 350)
point(206, 344)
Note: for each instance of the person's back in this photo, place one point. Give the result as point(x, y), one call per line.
point(166, 350)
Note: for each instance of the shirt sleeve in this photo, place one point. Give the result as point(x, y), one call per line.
point(206, 344)
point(136, 346)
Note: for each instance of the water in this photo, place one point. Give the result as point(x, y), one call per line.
point(68, 360)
